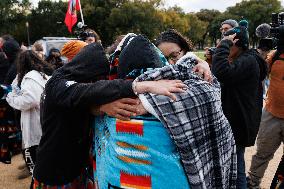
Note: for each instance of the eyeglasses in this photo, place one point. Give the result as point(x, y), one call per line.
point(174, 56)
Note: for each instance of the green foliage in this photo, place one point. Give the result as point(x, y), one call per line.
point(115, 17)
point(48, 20)
point(197, 28)
point(13, 17)
point(255, 12)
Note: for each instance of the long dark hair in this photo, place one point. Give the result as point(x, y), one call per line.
point(173, 36)
point(28, 61)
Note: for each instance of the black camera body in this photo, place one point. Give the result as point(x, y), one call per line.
point(212, 50)
point(277, 27)
point(80, 31)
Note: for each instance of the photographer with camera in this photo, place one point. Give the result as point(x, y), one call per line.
point(86, 34)
point(241, 71)
point(208, 54)
point(270, 135)
point(90, 36)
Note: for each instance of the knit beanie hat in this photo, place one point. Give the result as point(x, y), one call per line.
point(72, 48)
point(231, 22)
point(242, 34)
point(174, 36)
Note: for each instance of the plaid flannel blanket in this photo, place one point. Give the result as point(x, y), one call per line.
point(197, 125)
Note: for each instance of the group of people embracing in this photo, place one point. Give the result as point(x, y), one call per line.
point(150, 116)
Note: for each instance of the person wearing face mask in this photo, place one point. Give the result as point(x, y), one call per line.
point(241, 72)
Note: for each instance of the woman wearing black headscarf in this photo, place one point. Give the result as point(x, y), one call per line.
point(11, 48)
point(73, 89)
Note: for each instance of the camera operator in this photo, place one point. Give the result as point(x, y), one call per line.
point(241, 72)
point(270, 135)
point(208, 54)
point(90, 36)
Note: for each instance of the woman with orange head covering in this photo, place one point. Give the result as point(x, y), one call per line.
point(72, 48)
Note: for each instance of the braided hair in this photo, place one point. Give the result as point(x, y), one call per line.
point(28, 61)
point(174, 36)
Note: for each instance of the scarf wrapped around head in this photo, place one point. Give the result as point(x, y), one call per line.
point(137, 57)
point(114, 58)
point(72, 48)
point(197, 125)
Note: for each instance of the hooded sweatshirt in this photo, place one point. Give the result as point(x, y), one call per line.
point(64, 147)
point(241, 86)
point(27, 100)
point(4, 66)
point(11, 49)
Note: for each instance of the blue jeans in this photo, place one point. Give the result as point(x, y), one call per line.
point(241, 176)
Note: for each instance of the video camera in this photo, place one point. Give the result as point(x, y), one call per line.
point(80, 31)
point(272, 35)
point(277, 26)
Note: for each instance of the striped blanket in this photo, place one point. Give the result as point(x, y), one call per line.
point(197, 125)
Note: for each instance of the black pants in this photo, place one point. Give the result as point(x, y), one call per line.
point(277, 181)
point(30, 157)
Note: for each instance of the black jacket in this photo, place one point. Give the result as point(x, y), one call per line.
point(11, 49)
point(4, 66)
point(64, 147)
point(241, 84)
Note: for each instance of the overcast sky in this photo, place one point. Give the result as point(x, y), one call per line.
point(196, 5)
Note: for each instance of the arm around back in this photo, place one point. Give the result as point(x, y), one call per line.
point(71, 94)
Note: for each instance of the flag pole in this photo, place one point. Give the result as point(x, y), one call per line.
point(82, 17)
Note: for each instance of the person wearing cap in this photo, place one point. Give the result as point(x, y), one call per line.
point(227, 25)
point(241, 72)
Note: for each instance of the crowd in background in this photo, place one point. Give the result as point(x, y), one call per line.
point(66, 117)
